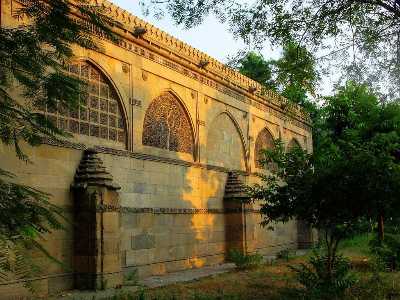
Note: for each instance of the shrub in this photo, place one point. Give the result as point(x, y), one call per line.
point(284, 254)
point(131, 278)
point(244, 261)
point(319, 283)
point(387, 252)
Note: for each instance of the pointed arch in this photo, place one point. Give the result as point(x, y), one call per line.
point(101, 114)
point(117, 87)
point(167, 125)
point(239, 130)
point(264, 140)
point(225, 143)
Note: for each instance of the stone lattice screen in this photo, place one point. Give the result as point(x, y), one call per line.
point(264, 140)
point(167, 125)
point(99, 115)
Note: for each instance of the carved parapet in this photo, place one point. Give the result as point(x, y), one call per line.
point(146, 31)
point(97, 232)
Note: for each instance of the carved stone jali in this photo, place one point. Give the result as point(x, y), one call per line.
point(97, 231)
point(167, 126)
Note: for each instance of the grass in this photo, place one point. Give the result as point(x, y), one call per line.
point(357, 246)
point(277, 281)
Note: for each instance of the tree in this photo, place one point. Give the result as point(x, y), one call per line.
point(355, 117)
point(254, 66)
point(361, 34)
point(294, 74)
point(33, 61)
point(352, 175)
point(297, 73)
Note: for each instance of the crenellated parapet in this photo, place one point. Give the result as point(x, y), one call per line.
point(184, 51)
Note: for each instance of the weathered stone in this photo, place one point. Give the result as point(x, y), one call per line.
point(97, 258)
point(143, 241)
point(176, 198)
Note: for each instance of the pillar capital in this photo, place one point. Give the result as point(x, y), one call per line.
point(91, 172)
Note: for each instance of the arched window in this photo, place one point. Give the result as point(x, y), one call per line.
point(100, 115)
point(167, 126)
point(293, 143)
point(264, 140)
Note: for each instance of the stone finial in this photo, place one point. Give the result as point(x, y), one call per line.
point(235, 189)
point(91, 172)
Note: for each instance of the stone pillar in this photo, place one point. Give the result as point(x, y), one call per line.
point(304, 235)
point(235, 200)
point(97, 262)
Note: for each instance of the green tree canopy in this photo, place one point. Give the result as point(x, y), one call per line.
point(361, 35)
point(353, 173)
point(294, 75)
point(254, 66)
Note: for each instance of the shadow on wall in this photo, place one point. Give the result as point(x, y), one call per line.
point(186, 227)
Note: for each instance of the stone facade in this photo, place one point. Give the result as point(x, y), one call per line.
point(169, 130)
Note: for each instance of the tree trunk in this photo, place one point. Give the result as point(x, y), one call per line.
point(381, 233)
point(332, 244)
point(330, 255)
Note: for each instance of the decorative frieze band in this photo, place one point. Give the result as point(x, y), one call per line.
point(137, 155)
point(169, 210)
point(213, 84)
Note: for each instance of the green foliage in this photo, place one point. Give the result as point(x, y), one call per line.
point(131, 278)
point(357, 136)
point(254, 66)
point(361, 36)
point(321, 283)
point(198, 296)
point(356, 245)
point(26, 217)
point(33, 61)
point(294, 75)
point(387, 251)
point(329, 189)
point(285, 254)
point(297, 69)
point(34, 57)
point(244, 261)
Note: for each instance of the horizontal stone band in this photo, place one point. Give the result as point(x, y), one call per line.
point(169, 210)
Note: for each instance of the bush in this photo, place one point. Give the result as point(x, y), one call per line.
point(387, 252)
point(131, 278)
point(244, 261)
point(319, 283)
point(284, 254)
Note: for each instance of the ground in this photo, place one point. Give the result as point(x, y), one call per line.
point(274, 281)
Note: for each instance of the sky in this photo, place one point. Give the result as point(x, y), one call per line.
point(211, 37)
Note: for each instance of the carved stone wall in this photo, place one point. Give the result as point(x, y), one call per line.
point(264, 140)
point(172, 208)
point(167, 126)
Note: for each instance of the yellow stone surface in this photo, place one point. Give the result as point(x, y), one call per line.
point(225, 120)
